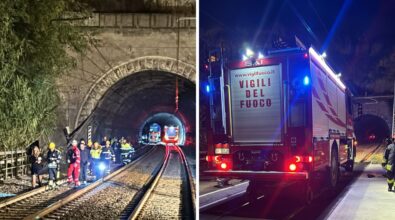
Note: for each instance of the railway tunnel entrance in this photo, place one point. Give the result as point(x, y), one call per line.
point(371, 129)
point(136, 101)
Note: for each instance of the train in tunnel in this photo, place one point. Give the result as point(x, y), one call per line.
point(170, 134)
point(154, 135)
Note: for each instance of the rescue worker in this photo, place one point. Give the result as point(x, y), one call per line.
point(53, 157)
point(105, 139)
point(74, 161)
point(82, 141)
point(95, 158)
point(107, 155)
point(116, 147)
point(85, 158)
point(389, 161)
point(126, 152)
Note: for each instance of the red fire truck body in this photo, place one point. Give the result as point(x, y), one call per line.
point(288, 116)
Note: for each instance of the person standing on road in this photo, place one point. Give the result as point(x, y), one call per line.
point(53, 157)
point(85, 158)
point(74, 160)
point(37, 166)
point(389, 161)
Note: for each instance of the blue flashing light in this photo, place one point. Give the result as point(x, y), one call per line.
point(306, 81)
point(208, 88)
point(244, 57)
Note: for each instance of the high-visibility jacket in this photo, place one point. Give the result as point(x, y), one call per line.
point(95, 154)
point(126, 146)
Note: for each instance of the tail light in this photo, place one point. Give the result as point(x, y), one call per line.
point(299, 163)
point(292, 167)
point(303, 159)
point(221, 162)
point(217, 159)
point(224, 166)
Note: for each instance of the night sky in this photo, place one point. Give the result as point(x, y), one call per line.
point(357, 35)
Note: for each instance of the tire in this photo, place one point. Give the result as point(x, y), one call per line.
point(349, 166)
point(334, 170)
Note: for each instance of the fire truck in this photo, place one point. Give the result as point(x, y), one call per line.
point(287, 119)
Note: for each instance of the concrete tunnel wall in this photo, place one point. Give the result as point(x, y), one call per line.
point(141, 98)
point(125, 44)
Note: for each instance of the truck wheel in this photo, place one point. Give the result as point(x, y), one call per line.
point(349, 166)
point(334, 169)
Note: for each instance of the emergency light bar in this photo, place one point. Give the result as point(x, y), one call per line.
point(322, 62)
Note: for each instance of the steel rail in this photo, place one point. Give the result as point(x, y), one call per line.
point(44, 212)
point(138, 209)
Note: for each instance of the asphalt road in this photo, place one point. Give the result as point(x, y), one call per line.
point(283, 206)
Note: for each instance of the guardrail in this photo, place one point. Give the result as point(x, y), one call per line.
point(13, 163)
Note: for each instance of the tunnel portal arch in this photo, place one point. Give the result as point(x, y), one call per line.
point(371, 125)
point(133, 66)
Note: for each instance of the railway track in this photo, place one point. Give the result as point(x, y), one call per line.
point(123, 192)
point(28, 203)
point(171, 195)
point(32, 201)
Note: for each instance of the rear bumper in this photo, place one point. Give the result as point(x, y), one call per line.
point(275, 176)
